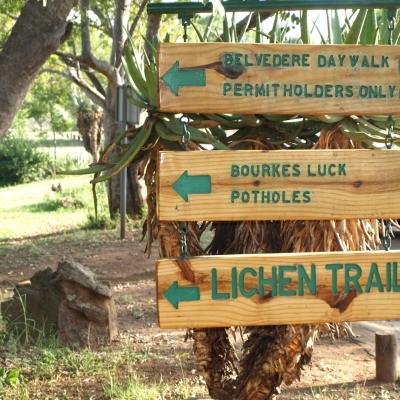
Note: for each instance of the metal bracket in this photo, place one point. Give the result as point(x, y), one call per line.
point(196, 7)
point(186, 19)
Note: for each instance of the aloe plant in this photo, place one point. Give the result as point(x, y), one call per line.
point(266, 361)
point(366, 27)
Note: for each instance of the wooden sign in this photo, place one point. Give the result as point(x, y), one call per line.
point(269, 289)
point(278, 185)
point(277, 78)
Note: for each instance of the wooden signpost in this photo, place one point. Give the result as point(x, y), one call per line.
point(265, 289)
point(269, 289)
point(275, 78)
point(278, 185)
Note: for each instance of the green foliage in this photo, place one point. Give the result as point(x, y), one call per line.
point(134, 387)
point(357, 26)
point(101, 221)
point(9, 377)
point(21, 162)
point(70, 162)
point(9, 9)
point(34, 209)
point(50, 104)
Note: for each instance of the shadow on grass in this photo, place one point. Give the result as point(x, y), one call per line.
point(51, 205)
point(46, 206)
point(53, 235)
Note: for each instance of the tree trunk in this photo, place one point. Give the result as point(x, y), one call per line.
point(135, 202)
point(254, 364)
point(153, 26)
point(38, 32)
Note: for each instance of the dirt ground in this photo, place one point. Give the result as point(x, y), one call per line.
point(132, 273)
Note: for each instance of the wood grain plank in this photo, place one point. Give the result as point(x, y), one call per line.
point(366, 184)
point(376, 297)
point(304, 79)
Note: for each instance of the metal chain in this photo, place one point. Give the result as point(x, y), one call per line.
point(185, 23)
point(387, 235)
point(389, 132)
point(185, 119)
point(183, 248)
point(391, 18)
point(186, 134)
point(183, 226)
point(387, 226)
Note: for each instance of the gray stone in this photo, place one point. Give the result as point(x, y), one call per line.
point(84, 276)
point(34, 307)
point(87, 315)
point(71, 301)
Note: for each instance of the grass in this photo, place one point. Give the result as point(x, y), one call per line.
point(48, 370)
point(34, 209)
point(70, 154)
point(37, 224)
point(135, 387)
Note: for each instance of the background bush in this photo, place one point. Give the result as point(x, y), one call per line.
point(21, 162)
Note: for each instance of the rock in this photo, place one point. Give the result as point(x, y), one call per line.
point(76, 330)
point(33, 309)
point(78, 273)
point(70, 301)
point(87, 315)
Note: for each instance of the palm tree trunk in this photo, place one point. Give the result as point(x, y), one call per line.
point(270, 355)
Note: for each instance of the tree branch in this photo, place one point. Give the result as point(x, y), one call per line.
point(119, 33)
point(153, 26)
point(104, 20)
point(73, 62)
point(35, 36)
point(135, 21)
point(93, 78)
point(87, 56)
point(73, 76)
point(14, 17)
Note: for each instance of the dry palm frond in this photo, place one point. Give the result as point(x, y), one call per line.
point(216, 360)
point(90, 127)
point(147, 170)
point(335, 235)
point(271, 355)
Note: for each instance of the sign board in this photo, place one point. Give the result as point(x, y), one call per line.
point(278, 185)
point(279, 78)
point(269, 289)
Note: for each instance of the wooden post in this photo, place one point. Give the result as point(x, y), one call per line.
point(386, 357)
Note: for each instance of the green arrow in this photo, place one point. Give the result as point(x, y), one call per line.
point(175, 294)
point(195, 184)
point(177, 77)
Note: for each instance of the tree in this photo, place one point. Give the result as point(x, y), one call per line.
point(97, 70)
point(38, 32)
point(50, 104)
point(269, 355)
point(98, 28)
